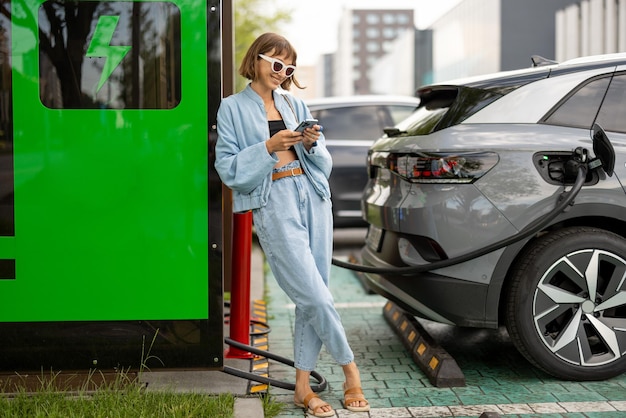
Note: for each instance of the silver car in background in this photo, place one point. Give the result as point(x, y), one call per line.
point(485, 167)
point(351, 124)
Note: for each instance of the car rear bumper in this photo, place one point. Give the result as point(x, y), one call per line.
point(431, 296)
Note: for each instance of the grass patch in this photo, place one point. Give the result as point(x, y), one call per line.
point(271, 408)
point(118, 395)
point(130, 401)
point(123, 397)
point(112, 404)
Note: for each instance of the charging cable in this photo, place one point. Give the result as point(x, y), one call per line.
point(322, 383)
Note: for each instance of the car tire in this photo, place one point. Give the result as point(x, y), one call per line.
point(566, 304)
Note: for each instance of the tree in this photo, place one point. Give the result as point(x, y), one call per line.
point(251, 20)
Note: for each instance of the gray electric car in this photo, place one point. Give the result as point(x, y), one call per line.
point(501, 201)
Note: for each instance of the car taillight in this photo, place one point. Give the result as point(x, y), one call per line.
point(436, 167)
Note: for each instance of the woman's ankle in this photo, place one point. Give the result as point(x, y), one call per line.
point(352, 374)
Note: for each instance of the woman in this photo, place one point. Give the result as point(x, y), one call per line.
point(282, 176)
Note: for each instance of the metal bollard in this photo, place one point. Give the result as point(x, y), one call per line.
point(240, 284)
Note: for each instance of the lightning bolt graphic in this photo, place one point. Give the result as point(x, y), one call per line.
point(100, 47)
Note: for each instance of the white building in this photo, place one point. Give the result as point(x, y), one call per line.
point(485, 36)
point(406, 67)
point(590, 27)
point(364, 36)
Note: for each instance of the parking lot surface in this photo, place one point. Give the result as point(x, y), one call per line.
point(498, 379)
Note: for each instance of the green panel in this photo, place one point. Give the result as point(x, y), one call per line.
point(110, 202)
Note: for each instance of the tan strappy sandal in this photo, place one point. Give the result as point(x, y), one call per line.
point(315, 412)
point(352, 395)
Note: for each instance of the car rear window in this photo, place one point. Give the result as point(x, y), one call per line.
point(399, 113)
point(360, 122)
point(446, 106)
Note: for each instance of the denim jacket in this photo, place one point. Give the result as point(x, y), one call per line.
point(241, 158)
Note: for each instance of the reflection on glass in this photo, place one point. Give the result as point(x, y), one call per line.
point(127, 56)
point(7, 224)
point(614, 106)
point(580, 109)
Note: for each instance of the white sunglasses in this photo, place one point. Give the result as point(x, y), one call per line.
point(278, 65)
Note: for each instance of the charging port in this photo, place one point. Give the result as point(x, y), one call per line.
point(561, 167)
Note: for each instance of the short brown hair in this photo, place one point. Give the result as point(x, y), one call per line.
point(268, 42)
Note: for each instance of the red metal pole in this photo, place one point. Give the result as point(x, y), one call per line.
point(240, 285)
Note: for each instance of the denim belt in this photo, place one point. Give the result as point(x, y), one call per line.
point(287, 173)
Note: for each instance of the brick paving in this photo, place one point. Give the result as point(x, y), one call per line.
point(498, 378)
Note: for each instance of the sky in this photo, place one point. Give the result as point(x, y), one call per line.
point(313, 29)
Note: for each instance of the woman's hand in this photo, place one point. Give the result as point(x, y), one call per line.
point(310, 136)
point(285, 139)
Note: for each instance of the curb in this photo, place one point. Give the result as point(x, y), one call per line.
point(248, 408)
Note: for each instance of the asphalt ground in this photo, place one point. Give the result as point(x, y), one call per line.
point(498, 380)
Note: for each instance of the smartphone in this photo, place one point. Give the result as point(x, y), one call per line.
point(308, 123)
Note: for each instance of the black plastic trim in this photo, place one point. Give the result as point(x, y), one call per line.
point(460, 302)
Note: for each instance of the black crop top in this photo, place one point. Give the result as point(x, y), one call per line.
point(275, 126)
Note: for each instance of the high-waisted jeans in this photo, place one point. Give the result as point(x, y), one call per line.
point(295, 230)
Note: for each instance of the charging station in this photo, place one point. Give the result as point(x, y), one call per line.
point(110, 225)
